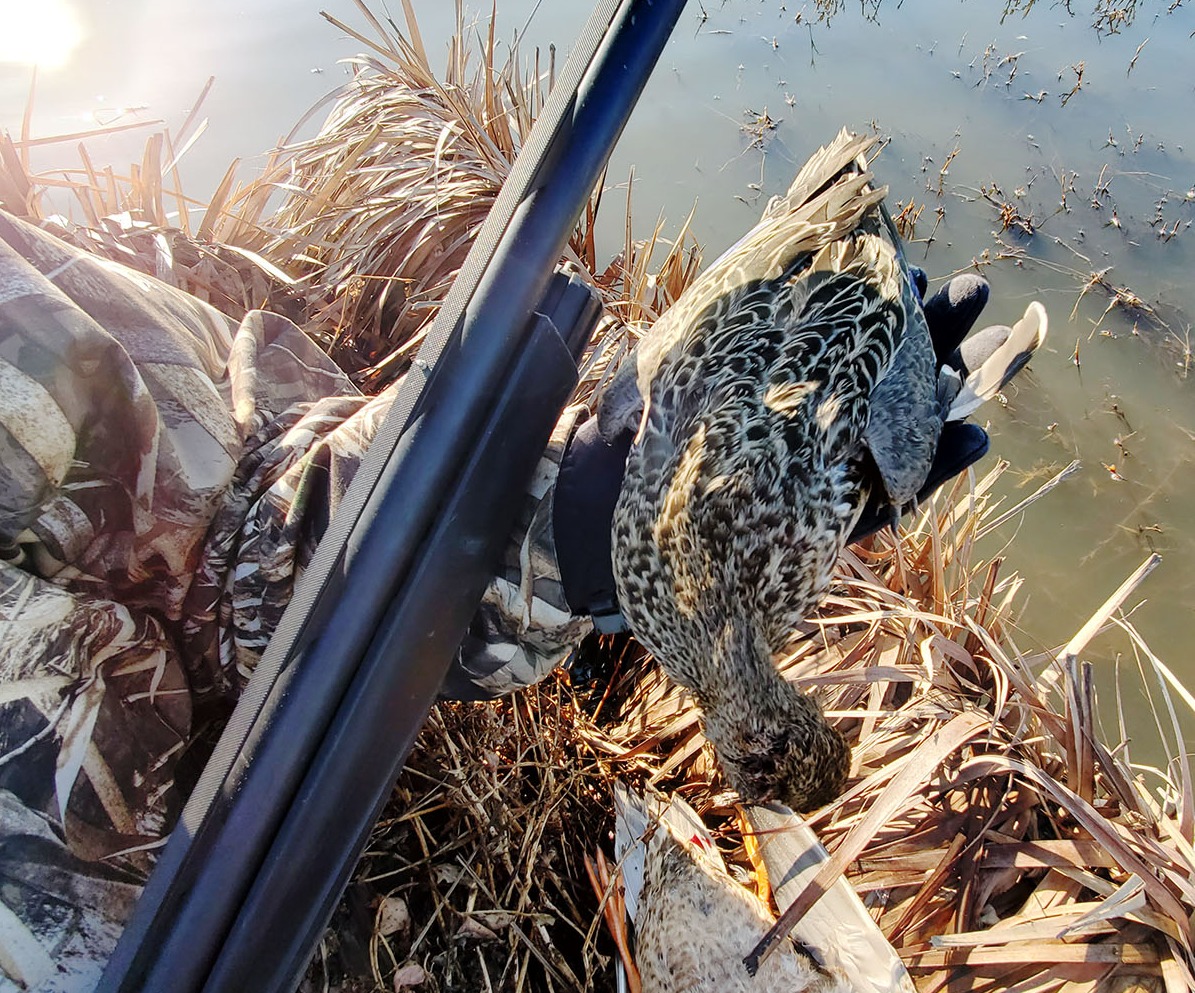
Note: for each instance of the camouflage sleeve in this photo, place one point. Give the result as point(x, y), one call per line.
point(127, 412)
point(284, 493)
point(524, 627)
point(95, 717)
point(165, 476)
point(188, 467)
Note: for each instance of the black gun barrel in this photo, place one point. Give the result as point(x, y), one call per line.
point(279, 817)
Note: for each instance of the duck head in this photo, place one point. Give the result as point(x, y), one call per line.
point(772, 740)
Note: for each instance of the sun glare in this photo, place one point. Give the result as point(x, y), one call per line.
point(39, 32)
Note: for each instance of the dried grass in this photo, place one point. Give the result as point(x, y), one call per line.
point(358, 232)
point(1001, 841)
point(383, 204)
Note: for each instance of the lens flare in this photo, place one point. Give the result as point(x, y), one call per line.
point(44, 34)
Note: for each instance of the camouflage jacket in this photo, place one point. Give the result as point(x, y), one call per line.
point(165, 475)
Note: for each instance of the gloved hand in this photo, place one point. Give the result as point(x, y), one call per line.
point(582, 515)
point(591, 471)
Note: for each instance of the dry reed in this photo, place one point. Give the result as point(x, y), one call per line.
point(1001, 841)
point(357, 232)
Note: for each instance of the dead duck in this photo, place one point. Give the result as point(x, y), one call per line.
point(795, 377)
point(693, 923)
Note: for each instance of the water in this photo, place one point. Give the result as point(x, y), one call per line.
point(936, 78)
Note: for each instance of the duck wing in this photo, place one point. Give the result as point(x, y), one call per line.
point(636, 816)
point(830, 198)
point(838, 928)
point(907, 404)
point(995, 355)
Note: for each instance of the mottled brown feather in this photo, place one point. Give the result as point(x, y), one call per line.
point(768, 397)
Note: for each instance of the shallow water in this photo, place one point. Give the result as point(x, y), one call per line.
point(935, 77)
